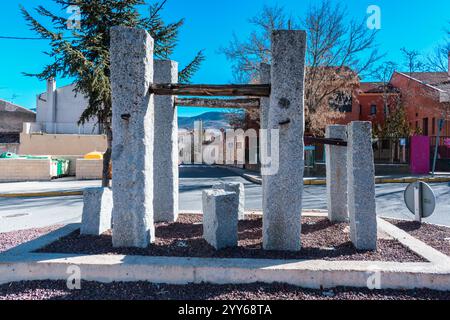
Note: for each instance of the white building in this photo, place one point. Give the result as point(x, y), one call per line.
point(58, 111)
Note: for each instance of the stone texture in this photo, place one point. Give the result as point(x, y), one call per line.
point(237, 188)
point(97, 211)
point(283, 192)
point(198, 142)
point(220, 218)
point(165, 152)
point(132, 123)
point(361, 186)
point(336, 167)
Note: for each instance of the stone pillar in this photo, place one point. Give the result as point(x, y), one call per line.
point(336, 166)
point(361, 186)
point(165, 153)
point(220, 218)
point(284, 188)
point(133, 126)
point(97, 211)
point(264, 78)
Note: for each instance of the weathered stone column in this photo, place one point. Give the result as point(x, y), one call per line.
point(264, 136)
point(264, 78)
point(283, 189)
point(361, 186)
point(133, 122)
point(165, 153)
point(336, 166)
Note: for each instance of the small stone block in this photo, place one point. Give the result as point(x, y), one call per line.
point(97, 211)
point(237, 188)
point(220, 218)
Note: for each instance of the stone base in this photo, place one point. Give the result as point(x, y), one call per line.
point(97, 211)
point(220, 218)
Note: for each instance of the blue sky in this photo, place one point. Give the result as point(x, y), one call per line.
point(415, 24)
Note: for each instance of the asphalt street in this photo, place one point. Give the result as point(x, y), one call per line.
point(25, 213)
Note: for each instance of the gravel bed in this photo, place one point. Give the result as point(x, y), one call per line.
point(10, 240)
point(57, 290)
point(320, 240)
point(435, 236)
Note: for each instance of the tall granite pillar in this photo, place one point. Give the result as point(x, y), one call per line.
point(264, 137)
point(132, 123)
point(165, 153)
point(284, 188)
point(336, 167)
point(361, 186)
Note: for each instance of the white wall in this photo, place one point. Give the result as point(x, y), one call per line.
point(59, 109)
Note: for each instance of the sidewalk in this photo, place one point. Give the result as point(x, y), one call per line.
point(439, 177)
point(73, 187)
point(54, 188)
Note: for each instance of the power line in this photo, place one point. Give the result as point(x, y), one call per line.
point(25, 38)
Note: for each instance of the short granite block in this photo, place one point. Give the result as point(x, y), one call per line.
point(97, 211)
point(220, 218)
point(237, 188)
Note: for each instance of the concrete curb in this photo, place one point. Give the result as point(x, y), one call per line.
point(321, 182)
point(170, 270)
point(20, 264)
point(48, 194)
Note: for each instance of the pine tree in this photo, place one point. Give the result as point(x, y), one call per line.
point(80, 50)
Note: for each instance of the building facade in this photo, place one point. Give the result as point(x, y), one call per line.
point(59, 109)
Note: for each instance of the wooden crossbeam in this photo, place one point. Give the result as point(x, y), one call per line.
point(333, 142)
point(250, 103)
point(237, 90)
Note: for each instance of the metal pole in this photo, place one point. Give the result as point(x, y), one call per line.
point(440, 127)
point(418, 201)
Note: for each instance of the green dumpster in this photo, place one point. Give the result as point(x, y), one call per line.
point(8, 155)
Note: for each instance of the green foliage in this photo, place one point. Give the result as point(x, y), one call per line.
point(83, 53)
point(396, 125)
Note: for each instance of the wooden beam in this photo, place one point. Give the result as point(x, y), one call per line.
point(251, 103)
point(333, 142)
point(239, 90)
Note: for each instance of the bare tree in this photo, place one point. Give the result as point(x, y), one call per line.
point(339, 50)
point(413, 60)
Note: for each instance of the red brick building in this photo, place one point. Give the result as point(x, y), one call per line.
point(425, 96)
point(368, 103)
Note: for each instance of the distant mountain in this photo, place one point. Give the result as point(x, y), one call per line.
point(211, 120)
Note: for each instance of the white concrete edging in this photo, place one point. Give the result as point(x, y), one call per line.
point(20, 264)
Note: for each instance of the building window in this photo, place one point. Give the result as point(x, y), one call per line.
point(433, 127)
point(425, 126)
point(373, 109)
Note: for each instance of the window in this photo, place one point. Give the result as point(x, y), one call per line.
point(373, 109)
point(433, 127)
point(425, 126)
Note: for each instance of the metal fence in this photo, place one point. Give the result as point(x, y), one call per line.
point(443, 147)
point(389, 151)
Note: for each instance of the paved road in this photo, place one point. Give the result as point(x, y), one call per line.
point(18, 214)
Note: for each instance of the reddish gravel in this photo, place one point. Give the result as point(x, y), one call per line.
point(10, 240)
point(435, 236)
point(320, 240)
point(57, 290)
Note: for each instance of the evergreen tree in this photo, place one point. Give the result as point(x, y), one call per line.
point(80, 50)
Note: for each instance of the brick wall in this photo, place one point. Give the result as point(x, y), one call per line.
point(25, 170)
point(89, 169)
